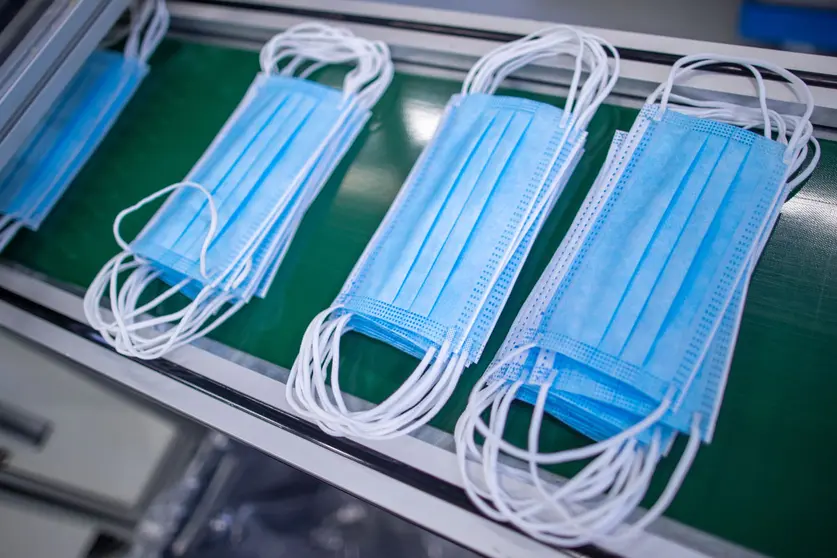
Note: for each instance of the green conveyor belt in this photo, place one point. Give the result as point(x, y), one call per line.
point(765, 481)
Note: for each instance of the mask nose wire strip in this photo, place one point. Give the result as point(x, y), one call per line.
point(431, 384)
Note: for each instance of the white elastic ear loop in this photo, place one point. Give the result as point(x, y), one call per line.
point(150, 17)
point(375, 411)
point(481, 74)
point(300, 393)
point(588, 52)
point(698, 61)
point(512, 67)
point(568, 529)
point(156, 30)
point(804, 174)
point(609, 511)
point(128, 341)
point(488, 73)
point(140, 11)
point(377, 87)
point(125, 339)
point(213, 218)
point(549, 45)
point(421, 412)
point(370, 78)
point(127, 249)
point(95, 292)
point(605, 87)
point(553, 48)
point(800, 89)
point(672, 487)
point(534, 436)
point(411, 406)
point(311, 36)
point(125, 324)
point(132, 289)
point(493, 478)
point(481, 77)
point(417, 393)
point(320, 44)
point(608, 515)
point(603, 513)
point(572, 530)
point(662, 503)
point(111, 331)
point(800, 153)
point(190, 329)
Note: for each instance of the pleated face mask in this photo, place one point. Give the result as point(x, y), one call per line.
point(433, 264)
point(220, 237)
point(675, 245)
point(438, 271)
point(267, 159)
point(629, 334)
point(36, 177)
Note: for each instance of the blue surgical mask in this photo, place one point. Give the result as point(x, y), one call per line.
point(437, 273)
point(629, 334)
point(222, 233)
point(703, 398)
point(430, 267)
point(616, 403)
point(34, 180)
point(47, 163)
point(261, 170)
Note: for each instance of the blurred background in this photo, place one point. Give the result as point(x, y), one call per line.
point(804, 25)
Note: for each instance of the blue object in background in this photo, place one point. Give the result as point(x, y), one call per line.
point(781, 24)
